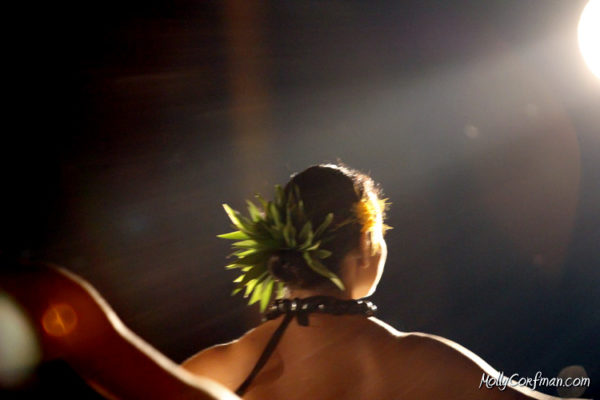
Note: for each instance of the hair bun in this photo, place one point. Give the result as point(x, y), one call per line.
point(287, 266)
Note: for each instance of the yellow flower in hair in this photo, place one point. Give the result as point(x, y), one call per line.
point(367, 215)
point(369, 212)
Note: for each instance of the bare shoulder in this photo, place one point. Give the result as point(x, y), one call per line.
point(218, 363)
point(468, 367)
point(229, 363)
point(444, 368)
point(212, 355)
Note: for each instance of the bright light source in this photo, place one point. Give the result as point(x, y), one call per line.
point(19, 348)
point(589, 35)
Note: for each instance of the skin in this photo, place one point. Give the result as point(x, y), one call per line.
point(335, 357)
point(352, 357)
point(98, 346)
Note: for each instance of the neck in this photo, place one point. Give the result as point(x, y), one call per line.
point(304, 293)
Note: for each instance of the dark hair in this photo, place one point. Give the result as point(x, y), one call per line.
point(324, 189)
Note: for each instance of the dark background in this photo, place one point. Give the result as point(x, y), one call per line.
point(134, 122)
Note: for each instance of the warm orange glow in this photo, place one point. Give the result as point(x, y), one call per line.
point(59, 320)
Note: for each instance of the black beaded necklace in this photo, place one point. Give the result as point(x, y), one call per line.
point(301, 308)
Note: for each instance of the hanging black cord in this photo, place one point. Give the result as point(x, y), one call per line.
point(300, 308)
point(266, 354)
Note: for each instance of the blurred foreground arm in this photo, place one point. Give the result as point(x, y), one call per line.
point(75, 323)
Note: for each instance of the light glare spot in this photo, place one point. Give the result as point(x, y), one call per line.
point(589, 36)
point(471, 131)
point(573, 372)
point(59, 320)
point(19, 348)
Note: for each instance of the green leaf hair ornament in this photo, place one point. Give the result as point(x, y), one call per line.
point(281, 225)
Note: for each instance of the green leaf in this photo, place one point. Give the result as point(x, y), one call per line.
point(260, 230)
point(233, 266)
point(250, 287)
point(235, 217)
point(253, 259)
point(324, 225)
point(255, 214)
point(289, 233)
point(247, 223)
point(243, 252)
point(280, 288)
point(279, 196)
point(305, 231)
point(286, 236)
point(313, 247)
point(256, 294)
point(344, 223)
point(322, 270)
point(296, 191)
point(237, 235)
point(246, 244)
point(236, 291)
point(307, 243)
point(274, 214)
point(322, 253)
point(272, 232)
point(266, 294)
point(291, 202)
point(300, 215)
point(262, 202)
point(255, 273)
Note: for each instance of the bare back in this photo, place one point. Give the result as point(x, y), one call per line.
point(350, 357)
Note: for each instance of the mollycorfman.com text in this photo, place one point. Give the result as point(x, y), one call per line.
point(502, 381)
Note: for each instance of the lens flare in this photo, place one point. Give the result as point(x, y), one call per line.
point(589, 36)
point(59, 320)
